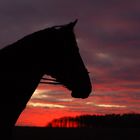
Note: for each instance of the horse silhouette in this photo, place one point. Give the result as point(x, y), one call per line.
point(52, 51)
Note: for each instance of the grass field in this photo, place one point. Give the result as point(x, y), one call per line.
point(36, 133)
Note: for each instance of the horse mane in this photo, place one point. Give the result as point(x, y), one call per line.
point(22, 44)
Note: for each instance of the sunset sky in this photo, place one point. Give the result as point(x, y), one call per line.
point(108, 36)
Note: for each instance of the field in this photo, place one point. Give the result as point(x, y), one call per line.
point(87, 127)
point(44, 133)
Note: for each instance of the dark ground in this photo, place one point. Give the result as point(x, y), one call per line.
point(34, 133)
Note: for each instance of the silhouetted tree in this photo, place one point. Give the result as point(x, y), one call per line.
point(94, 121)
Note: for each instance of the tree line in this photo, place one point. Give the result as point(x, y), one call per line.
point(98, 121)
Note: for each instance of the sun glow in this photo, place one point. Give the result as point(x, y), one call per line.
point(107, 105)
point(111, 106)
point(38, 93)
point(31, 104)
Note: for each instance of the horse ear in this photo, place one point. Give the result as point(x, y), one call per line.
point(72, 24)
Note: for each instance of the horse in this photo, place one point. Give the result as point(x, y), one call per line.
point(51, 51)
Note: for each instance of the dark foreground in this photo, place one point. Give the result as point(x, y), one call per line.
point(34, 133)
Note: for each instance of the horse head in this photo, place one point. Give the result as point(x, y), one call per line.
point(65, 62)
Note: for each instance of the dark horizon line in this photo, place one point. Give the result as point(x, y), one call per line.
point(113, 115)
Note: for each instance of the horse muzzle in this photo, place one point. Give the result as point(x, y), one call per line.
point(82, 93)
